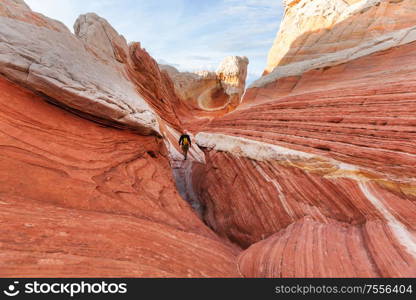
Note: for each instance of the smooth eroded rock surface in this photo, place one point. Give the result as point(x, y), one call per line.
point(315, 249)
point(79, 199)
point(313, 172)
point(206, 94)
point(321, 33)
point(84, 77)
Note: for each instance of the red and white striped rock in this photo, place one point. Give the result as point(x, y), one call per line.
point(313, 174)
point(315, 171)
point(319, 33)
point(205, 95)
point(79, 199)
point(60, 65)
point(308, 248)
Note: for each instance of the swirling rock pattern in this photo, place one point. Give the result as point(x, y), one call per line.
point(320, 33)
point(317, 162)
point(94, 71)
point(205, 95)
point(80, 199)
point(315, 249)
point(312, 174)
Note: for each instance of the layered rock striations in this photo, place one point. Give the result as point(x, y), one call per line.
point(311, 174)
point(133, 61)
point(208, 94)
point(155, 86)
point(94, 72)
point(317, 162)
point(79, 197)
point(320, 33)
point(20, 11)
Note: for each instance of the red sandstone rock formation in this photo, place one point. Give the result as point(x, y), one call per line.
point(134, 62)
point(93, 72)
point(314, 171)
point(155, 86)
point(78, 196)
point(312, 175)
point(205, 95)
point(318, 33)
point(79, 199)
point(308, 248)
point(19, 10)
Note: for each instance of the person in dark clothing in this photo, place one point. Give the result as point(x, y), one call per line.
point(185, 143)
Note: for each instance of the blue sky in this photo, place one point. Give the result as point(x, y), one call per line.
point(188, 34)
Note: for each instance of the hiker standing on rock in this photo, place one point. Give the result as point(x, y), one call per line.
point(185, 143)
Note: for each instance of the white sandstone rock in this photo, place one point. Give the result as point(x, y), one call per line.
point(76, 72)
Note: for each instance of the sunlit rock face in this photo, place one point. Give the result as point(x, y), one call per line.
point(82, 200)
point(320, 33)
point(313, 173)
point(232, 74)
point(208, 94)
point(94, 72)
point(20, 11)
point(79, 197)
point(133, 61)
